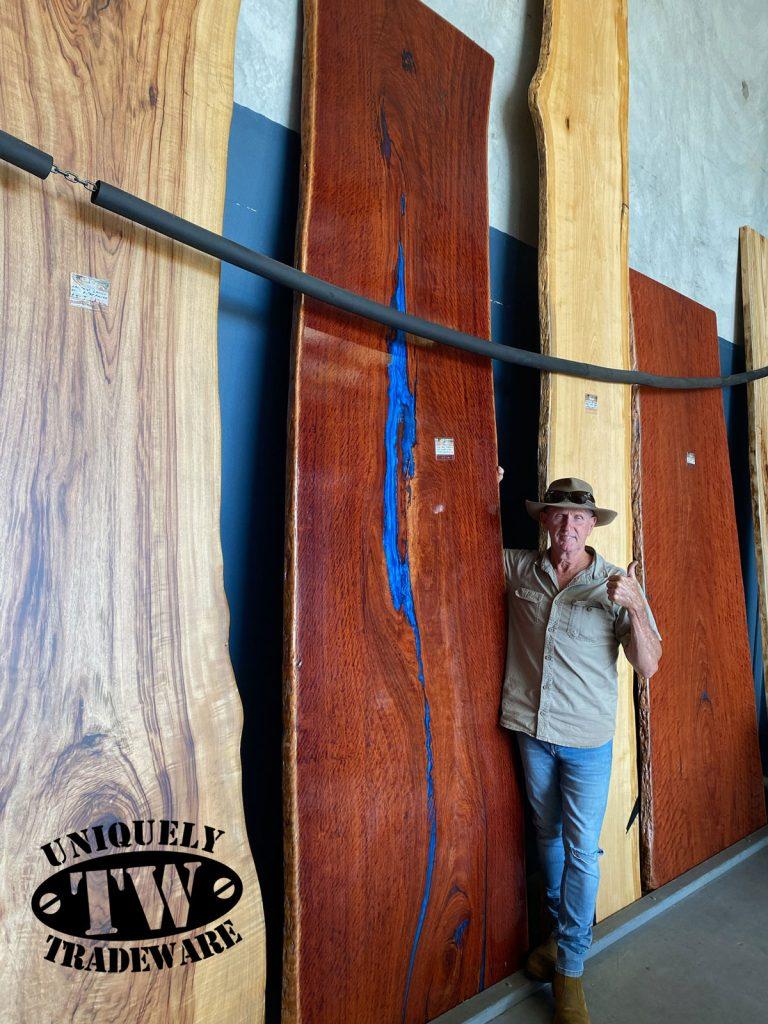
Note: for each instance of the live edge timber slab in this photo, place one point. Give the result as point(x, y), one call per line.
point(702, 786)
point(753, 250)
point(579, 104)
point(127, 888)
point(405, 876)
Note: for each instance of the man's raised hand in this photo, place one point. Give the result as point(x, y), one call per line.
point(624, 589)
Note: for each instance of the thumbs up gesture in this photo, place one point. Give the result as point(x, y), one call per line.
point(625, 589)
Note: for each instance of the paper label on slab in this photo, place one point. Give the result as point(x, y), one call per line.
point(590, 403)
point(444, 448)
point(88, 292)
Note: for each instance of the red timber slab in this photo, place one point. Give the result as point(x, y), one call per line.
point(405, 879)
point(701, 781)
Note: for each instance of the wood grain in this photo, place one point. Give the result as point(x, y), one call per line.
point(119, 702)
point(579, 104)
point(405, 880)
point(753, 251)
point(702, 780)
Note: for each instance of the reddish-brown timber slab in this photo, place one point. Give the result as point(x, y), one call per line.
point(403, 838)
point(701, 781)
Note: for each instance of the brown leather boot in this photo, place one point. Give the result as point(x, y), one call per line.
point(570, 1004)
point(540, 965)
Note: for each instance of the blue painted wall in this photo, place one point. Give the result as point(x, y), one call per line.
point(735, 408)
point(515, 321)
point(254, 346)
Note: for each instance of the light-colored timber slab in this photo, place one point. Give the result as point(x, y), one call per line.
point(405, 874)
point(579, 103)
point(121, 721)
point(753, 249)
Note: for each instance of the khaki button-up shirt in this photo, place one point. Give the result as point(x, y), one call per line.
point(561, 683)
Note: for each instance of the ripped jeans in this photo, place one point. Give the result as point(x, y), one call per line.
point(568, 791)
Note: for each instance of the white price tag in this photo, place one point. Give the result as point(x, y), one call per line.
point(444, 448)
point(88, 292)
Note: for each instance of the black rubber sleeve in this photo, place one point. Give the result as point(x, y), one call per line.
point(108, 197)
point(22, 155)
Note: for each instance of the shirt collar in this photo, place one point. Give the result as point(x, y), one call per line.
point(545, 564)
point(597, 569)
point(594, 571)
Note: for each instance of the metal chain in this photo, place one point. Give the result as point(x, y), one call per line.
point(70, 176)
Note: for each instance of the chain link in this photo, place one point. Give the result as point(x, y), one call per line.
point(72, 177)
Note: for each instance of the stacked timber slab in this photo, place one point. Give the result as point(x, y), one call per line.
point(701, 777)
point(579, 103)
point(127, 889)
point(405, 878)
point(753, 251)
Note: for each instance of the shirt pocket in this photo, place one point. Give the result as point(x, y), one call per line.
point(591, 622)
point(530, 602)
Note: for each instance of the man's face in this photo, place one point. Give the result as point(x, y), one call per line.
point(568, 528)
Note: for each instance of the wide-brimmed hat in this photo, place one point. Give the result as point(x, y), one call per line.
point(571, 493)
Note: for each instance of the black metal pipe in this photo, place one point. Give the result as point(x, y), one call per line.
point(108, 197)
point(22, 155)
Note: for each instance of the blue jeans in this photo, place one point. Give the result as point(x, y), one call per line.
point(568, 791)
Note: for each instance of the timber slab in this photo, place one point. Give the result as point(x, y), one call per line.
point(127, 889)
point(579, 98)
point(753, 251)
point(702, 787)
point(404, 856)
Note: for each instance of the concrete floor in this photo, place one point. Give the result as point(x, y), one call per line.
point(705, 960)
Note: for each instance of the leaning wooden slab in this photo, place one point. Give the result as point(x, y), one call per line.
point(702, 786)
point(753, 249)
point(579, 104)
point(405, 862)
point(127, 888)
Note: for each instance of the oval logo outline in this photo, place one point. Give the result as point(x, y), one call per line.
point(119, 897)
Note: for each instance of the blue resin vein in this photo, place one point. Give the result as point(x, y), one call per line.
point(400, 438)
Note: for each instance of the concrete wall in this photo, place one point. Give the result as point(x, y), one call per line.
point(698, 124)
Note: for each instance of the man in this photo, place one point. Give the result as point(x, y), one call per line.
point(569, 610)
